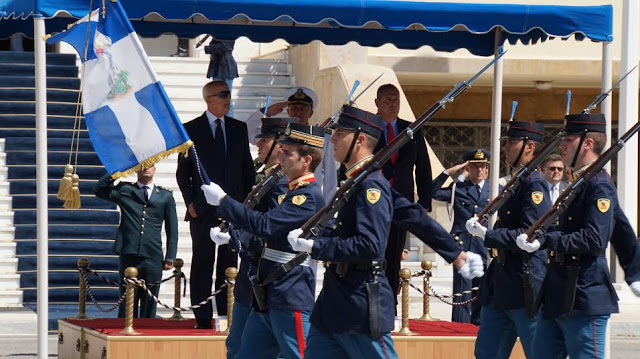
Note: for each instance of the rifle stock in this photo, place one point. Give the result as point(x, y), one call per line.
point(316, 223)
point(510, 188)
point(570, 193)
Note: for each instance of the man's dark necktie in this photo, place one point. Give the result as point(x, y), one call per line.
point(145, 190)
point(219, 154)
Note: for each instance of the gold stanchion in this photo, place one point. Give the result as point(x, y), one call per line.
point(83, 264)
point(426, 266)
point(231, 273)
point(130, 273)
point(405, 274)
point(177, 265)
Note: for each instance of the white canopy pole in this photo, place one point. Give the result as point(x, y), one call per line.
point(628, 112)
point(42, 222)
point(496, 119)
point(605, 109)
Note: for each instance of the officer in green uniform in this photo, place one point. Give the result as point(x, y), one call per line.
point(143, 208)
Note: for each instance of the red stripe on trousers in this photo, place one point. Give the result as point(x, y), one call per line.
point(297, 316)
point(384, 347)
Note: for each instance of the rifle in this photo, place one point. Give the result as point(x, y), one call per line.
point(510, 188)
point(349, 101)
point(570, 193)
point(263, 187)
point(316, 223)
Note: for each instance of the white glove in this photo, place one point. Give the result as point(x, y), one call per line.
point(299, 244)
point(213, 193)
point(218, 237)
point(635, 288)
point(522, 242)
point(475, 228)
point(472, 267)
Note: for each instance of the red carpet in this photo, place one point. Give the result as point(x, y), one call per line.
point(443, 329)
point(146, 326)
point(161, 327)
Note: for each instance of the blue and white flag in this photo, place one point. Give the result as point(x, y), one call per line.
point(130, 118)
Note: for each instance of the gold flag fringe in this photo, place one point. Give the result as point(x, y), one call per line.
point(151, 161)
point(73, 201)
point(65, 183)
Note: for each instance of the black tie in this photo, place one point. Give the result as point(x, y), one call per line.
point(479, 189)
point(219, 154)
point(145, 189)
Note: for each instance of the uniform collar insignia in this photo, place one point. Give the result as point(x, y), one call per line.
point(301, 181)
point(357, 167)
point(579, 171)
point(515, 171)
point(267, 171)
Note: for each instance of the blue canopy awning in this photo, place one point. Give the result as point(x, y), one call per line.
point(406, 24)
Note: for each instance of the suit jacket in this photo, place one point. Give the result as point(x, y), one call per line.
point(140, 228)
point(239, 172)
point(412, 155)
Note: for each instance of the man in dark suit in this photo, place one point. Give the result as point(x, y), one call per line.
point(223, 149)
point(143, 207)
point(399, 171)
point(468, 197)
point(553, 168)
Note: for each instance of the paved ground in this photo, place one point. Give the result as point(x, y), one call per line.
point(18, 330)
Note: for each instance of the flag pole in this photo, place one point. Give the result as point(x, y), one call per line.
point(42, 225)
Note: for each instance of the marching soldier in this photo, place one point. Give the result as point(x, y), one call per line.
point(578, 296)
point(143, 206)
point(284, 296)
point(509, 290)
point(467, 198)
point(353, 316)
point(268, 152)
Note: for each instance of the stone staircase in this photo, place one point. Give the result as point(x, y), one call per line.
point(10, 293)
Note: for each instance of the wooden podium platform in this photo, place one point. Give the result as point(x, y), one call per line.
point(164, 339)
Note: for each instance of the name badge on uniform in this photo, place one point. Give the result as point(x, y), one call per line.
point(537, 197)
point(281, 198)
point(603, 204)
point(298, 199)
point(373, 195)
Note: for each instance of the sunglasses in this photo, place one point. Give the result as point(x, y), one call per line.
point(559, 169)
point(223, 94)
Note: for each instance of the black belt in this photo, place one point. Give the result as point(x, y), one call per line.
point(562, 257)
point(377, 266)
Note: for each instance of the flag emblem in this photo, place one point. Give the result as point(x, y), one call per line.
point(603, 204)
point(373, 195)
point(281, 198)
point(537, 197)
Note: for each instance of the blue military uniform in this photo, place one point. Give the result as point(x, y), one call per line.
point(502, 292)
point(282, 327)
point(354, 315)
point(468, 201)
point(578, 294)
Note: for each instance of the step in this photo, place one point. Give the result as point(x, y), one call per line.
point(10, 298)
point(4, 188)
point(30, 69)
point(7, 234)
point(9, 281)
point(8, 264)
point(257, 78)
point(29, 81)
point(19, 57)
point(7, 248)
point(200, 65)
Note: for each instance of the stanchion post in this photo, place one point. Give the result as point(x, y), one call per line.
point(426, 266)
point(83, 264)
point(231, 273)
point(130, 273)
point(405, 274)
point(177, 265)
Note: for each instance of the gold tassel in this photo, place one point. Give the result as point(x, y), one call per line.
point(73, 202)
point(65, 183)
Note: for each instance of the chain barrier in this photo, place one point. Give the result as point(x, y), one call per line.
point(140, 283)
point(84, 272)
point(448, 299)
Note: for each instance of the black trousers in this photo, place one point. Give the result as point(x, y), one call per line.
point(201, 275)
point(151, 271)
point(393, 256)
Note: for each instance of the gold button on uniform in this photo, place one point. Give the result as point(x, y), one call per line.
point(570, 218)
point(508, 212)
point(475, 206)
point(141, 232)
point(461, 243)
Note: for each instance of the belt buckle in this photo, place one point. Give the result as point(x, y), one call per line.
point(326, 264)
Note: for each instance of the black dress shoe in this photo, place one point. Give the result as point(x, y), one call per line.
point(201, 326)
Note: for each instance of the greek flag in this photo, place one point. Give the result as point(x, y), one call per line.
point(130, 118)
